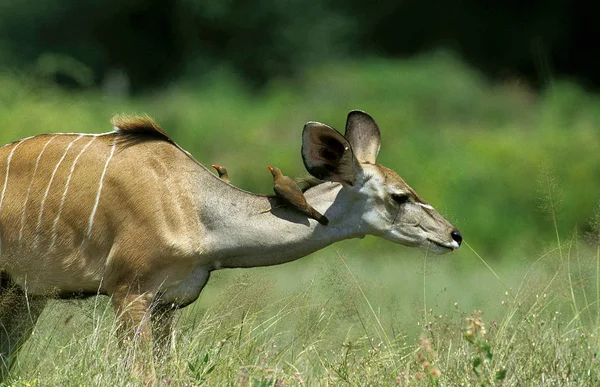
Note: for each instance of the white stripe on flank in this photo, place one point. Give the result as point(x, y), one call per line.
point(93, 214)
point(39, 224)
point(88, 134)
point(62, 134)
point(64, 195)
point(81, 134)
point(12, 152)
point(11, 143)
point(10, 156)
point(37, 163)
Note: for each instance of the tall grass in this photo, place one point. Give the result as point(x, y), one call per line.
point(250, 330)
point(536, 324)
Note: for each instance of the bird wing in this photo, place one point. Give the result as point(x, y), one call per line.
point(286, 188)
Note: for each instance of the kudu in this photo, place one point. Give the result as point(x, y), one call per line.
point(132, 215)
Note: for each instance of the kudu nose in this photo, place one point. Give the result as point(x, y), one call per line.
point(456, 236)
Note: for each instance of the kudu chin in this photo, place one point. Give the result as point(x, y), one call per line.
point(132, 215)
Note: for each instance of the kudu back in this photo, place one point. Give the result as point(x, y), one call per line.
point(132, 215)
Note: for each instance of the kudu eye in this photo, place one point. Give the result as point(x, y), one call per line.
point(400, 198)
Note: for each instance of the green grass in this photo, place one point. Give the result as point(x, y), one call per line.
point(517, 171)
point(342, 320)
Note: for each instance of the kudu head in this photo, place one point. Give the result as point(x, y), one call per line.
point(391, 208)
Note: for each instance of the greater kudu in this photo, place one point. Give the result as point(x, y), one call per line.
point(132, 215)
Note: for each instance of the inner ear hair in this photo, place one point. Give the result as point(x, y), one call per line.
point(363, 133)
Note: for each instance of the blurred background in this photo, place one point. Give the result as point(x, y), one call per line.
point(488, 109)
point(152, 43)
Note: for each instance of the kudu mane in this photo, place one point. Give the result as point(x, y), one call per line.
point(139, 127)
point(136, 129)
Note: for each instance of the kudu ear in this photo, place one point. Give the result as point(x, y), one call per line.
point(363, 134)
point(327, 155)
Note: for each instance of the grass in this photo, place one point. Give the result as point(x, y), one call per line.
point(516, 170)
point(339, 328)
point(407, 322)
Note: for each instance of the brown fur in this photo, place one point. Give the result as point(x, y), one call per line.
point(285, 188)
point(47, 199)
point(139, 126)
point(137, 129)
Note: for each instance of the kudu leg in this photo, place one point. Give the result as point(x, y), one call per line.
point(135, 332)
point(18, 316)
point(163, 313)
point(162, 326)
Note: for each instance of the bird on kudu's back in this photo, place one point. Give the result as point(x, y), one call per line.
point(287, 189)
point(222, 171)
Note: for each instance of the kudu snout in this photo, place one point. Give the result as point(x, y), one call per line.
point(456, 236)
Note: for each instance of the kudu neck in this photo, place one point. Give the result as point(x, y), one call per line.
point(247, 230)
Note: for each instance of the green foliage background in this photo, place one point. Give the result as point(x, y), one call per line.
point(155, 42)
point(482, 153)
